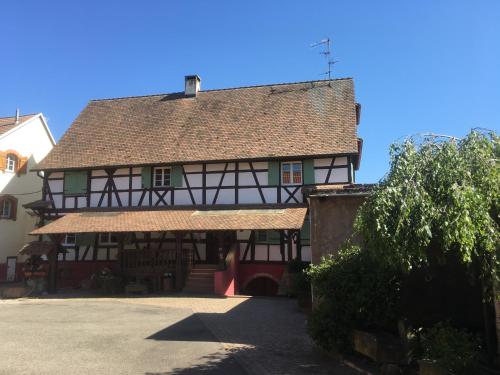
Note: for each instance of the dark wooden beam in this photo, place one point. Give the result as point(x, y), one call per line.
point(53, 257)
point(179, 281)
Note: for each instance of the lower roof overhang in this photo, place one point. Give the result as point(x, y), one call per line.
point(176, 220)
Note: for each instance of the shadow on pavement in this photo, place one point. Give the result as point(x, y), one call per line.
point(214, 364)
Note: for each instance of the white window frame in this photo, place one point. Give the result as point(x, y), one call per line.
point(69, 243)
point(108, 240)
point(291, 164)
point(163, 171)
point(6, 203)
point(11, 163)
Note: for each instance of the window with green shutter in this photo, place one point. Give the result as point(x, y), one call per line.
point(271, 237)
point(308, 168)
point(85, 239)
point(176, 176)
point(75, 183)
point(273, 173)
point(146, 177)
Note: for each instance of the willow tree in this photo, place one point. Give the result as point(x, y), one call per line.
point(440, 196)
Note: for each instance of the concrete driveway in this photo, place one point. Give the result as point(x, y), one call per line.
point(164, 335)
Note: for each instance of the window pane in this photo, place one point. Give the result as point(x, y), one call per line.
point(166, 177)
point(297, 173)
point(158, 177)
point(261, 236)
point(285, 174)
point(6, 208)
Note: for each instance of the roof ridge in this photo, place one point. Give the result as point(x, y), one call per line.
point(224, 89)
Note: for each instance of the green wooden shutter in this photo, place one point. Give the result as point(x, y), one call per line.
point(308, 170)
point(146, 177)
point(305, 233)
point(75, 183)
point(273, 236)
point(176, 176)
point(273, 174)
point(85, 239)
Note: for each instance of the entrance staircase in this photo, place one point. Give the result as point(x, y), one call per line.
point(201, 279)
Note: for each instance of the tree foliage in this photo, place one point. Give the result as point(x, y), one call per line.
point(439, 196)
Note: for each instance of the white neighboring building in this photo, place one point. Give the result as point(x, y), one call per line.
point(24, 141)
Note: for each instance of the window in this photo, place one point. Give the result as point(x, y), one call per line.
point(268, 237)
point(162, 177)
point(261, 236)
point(69, 239)
point(75, 183)
point(11, 163)
point(6, 208)
point(291, 173)
point(107, 238)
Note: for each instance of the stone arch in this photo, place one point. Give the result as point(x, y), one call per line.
point(258, 284)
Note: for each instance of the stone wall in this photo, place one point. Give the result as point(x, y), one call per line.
point(332, 219)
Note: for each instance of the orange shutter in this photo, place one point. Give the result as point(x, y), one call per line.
point(23, 166)
point(3, 160)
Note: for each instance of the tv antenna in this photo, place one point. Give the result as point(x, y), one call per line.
point(325, 43)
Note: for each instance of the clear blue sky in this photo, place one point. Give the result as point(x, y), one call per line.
point(418, 66)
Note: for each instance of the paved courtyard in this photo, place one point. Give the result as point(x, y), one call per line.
point(164, 335)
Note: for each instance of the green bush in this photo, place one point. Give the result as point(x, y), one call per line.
point(452, 349)
point(352, 290)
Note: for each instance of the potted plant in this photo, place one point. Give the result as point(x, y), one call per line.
point(448, 351)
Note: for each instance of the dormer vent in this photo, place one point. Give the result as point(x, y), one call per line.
point(192, 85)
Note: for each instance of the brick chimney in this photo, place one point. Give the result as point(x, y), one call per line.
point(192, 85)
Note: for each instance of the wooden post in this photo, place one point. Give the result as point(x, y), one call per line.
point(120, 250)
point(178, 260)
point(289, 244)
point(53, 258)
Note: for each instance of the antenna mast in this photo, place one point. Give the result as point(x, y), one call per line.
point(325, 43)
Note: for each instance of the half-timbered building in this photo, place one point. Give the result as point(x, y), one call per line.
point(204, 185)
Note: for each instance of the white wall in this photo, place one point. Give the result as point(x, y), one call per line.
point(29, 139)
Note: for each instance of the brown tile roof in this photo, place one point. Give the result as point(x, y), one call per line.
point(9, 123)
point(38, 248)
point(176, 220)
point(283, 120)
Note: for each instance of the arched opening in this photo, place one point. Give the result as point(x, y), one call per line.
point(261, 285)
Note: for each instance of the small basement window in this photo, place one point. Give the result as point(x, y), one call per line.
point(291, 173)
point(107, 239)
point(162, 177)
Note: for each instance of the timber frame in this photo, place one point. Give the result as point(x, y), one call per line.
point(204, 184)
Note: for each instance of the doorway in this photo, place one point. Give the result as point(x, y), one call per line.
point(213, 243)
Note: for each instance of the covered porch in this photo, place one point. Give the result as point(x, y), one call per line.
point(152, 244)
